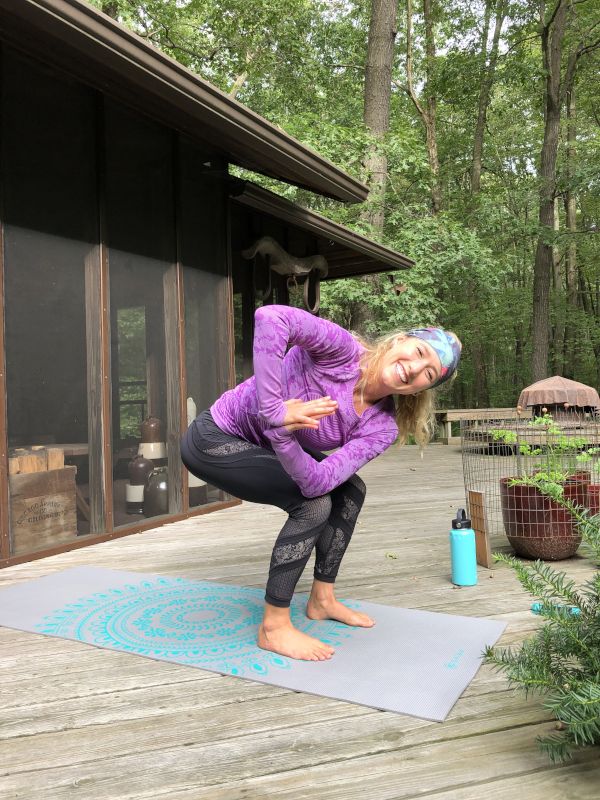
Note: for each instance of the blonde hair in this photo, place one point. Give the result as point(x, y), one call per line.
point(415, 413)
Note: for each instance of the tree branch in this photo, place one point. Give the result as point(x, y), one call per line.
point(588, 48)
point(573, 60)
point(241, 79)
point(548, 24)
point(409, 74)
point(347, 66)
point(520, 41)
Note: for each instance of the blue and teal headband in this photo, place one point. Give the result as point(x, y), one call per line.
point(445, 344)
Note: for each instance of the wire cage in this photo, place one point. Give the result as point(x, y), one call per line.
point(560, 447)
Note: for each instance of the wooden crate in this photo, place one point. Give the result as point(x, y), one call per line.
point(42, 509)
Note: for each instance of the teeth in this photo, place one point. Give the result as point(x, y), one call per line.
point(401, 373)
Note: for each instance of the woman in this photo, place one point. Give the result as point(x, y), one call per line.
point(262, 442)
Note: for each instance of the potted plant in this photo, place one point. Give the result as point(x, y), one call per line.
point(562, 659)
point(594, 488)
point(535, 524)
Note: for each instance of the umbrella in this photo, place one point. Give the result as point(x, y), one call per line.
point(557, 391)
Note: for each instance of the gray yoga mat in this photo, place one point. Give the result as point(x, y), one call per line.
point(412, 662)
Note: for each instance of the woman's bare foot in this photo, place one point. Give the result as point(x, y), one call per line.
point(323, 605)
point(277, 634)
point(289, 641)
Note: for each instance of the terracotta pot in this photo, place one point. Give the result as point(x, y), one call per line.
point(593, 502)
point(535, 525)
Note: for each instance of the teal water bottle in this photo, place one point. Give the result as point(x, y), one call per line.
point(463, 555)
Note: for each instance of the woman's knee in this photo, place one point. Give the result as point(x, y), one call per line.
point(316, 510)
point(359, 485)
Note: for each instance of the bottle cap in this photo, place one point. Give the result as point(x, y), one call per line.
point(461, 521)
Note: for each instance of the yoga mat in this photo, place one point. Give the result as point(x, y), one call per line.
point(412, 662)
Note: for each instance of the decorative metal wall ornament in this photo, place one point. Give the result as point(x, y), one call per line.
point(397, 288)
point(310, 268)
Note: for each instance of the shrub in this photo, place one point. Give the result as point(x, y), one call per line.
point(562, 659)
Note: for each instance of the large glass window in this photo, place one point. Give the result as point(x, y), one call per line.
point(206, 290)
point(50, 234)
point(141, 239)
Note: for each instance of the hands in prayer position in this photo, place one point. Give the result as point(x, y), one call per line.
point(307, 413)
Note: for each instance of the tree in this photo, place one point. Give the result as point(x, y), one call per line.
point(461, 155)
point(377, 93)
point(428, 111)
point(559, 78)
point(488, 70)
point(378, 89)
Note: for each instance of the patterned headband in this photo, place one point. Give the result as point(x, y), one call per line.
point(445, 344)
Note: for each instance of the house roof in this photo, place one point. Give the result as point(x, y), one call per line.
point(77, 37)
point(348, 254)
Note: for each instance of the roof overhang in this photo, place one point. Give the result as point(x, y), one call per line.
point(348, 254)
point(83, 41)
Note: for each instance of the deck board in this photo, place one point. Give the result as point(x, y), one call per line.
point(81, 722)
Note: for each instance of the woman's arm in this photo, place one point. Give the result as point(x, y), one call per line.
point(277, 327)
point(316, 478)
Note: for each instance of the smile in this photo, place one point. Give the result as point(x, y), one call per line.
point(401, 372)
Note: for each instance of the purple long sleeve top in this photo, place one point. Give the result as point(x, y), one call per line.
point(323, 359)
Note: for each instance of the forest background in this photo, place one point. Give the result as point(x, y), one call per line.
point(476, 125)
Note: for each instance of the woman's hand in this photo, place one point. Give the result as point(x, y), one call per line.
point(307, 413)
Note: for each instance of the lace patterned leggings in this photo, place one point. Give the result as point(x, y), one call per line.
point(254, 473)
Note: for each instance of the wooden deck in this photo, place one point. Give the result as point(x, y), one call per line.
point(98, 725)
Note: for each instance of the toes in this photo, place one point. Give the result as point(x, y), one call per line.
point(363, 619)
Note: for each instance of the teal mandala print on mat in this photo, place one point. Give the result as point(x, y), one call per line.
point(202, 624)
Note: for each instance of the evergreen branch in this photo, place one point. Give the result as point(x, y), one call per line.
point(579, 709)
point(557, 747)
point(542, 581)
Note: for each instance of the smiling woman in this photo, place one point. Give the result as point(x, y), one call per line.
point(404, 365)
point(315, 387)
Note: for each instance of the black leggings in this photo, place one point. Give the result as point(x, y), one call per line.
point(254, 473)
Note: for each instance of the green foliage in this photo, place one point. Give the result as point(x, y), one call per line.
point(549, 463)
point(302, 64)
point(562, 660)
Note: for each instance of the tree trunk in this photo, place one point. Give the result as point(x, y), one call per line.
point(482, 392)
point(558, 333)
point(552, 41)
point(487, 79)
point(237, 85)
point(518, 362)
point(378, 90)
point(432, 150)
point(591, 305)
point(241, 78)
point(427, 113)
point(480, 368)
point(570, 355)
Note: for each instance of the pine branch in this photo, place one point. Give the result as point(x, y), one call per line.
point(542, 581)
point(557, 747)
point(578, 708)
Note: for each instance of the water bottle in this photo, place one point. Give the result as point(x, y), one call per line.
point(463, 556)
point(536, 608)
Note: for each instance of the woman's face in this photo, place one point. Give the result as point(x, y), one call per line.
point(409, 366)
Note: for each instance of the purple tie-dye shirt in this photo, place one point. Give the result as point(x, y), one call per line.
point(323, 359)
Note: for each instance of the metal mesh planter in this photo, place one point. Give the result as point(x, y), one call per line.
point(497, 452)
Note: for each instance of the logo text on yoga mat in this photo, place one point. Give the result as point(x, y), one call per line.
point(453, 663)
